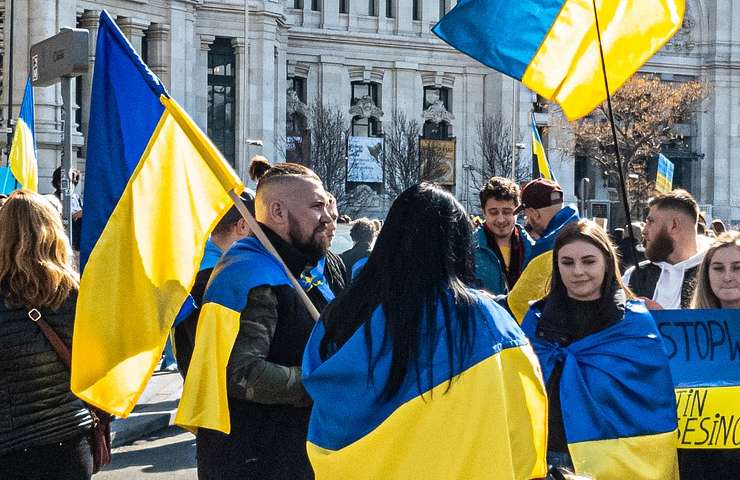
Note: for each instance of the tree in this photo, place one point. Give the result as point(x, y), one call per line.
point(328, 158)
point(402, 168)
point(493, 143)
point(646, 112)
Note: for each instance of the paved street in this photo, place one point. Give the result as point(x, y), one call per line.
point(167, 454)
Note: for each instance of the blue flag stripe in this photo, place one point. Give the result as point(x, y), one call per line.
point(503, 34)
point(121, 127)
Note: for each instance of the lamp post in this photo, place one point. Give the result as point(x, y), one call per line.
point(518, 147)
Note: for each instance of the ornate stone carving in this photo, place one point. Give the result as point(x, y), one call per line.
point(437, 113)
point(294, 104)
point(366, 108)
point(683, 40)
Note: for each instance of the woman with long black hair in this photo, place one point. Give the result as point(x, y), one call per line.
point(612, 410)
point(413, 374)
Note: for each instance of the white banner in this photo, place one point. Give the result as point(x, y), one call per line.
point(365, 159)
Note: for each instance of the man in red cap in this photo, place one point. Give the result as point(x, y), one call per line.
point(542, 203)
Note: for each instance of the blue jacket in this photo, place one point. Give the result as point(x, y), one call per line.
point(488, 268)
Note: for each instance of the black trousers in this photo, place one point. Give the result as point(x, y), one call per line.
point(68, 460)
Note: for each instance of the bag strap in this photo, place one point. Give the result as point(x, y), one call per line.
point(52, 337)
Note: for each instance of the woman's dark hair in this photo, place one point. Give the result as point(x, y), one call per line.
point(589, 232)
point(422, 259)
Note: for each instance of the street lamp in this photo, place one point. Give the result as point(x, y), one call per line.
point(519, 147)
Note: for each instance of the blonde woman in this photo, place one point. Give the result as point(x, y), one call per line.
point(45, 431)
point(718, 279)
point(718, 286)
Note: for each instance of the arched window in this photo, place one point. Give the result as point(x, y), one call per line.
point(365, 126)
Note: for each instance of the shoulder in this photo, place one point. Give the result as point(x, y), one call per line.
point(479, 237)
point(503, 326)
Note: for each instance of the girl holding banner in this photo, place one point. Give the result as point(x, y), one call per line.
point(612, 408)
point(718, 286)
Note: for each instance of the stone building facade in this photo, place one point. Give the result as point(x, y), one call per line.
point(243, 73)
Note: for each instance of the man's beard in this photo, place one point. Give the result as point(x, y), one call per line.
point(661, 247)
point(312, 247)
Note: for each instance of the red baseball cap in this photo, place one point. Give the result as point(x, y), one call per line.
point(540, 193)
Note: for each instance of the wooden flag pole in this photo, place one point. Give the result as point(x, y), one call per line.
point(260, 234)
point(620, 167)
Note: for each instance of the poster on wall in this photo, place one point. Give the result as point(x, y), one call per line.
point(365, 159)
point(298, 147)
point(437, 159)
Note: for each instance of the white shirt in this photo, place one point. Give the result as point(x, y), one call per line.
point(668, 289)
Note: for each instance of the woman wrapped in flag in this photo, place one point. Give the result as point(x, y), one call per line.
point(612, 411)
point(414, 375)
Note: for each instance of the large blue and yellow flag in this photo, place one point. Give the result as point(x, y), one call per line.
point(538, 150)
point(534, 281)
point(489, 422)
point(22, 160)
point(703, 347)
point(155, 188)
point(552, 46)
point(616, 398)
point(245, 265)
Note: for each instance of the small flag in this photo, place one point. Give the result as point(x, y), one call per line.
point(22, 159)
point(155, 188)
point(664, 178)
point(538, 150)
point(552, 46)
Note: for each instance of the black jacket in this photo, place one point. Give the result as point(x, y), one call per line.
point(643, 281)
point(358, 251)
point(36, 404)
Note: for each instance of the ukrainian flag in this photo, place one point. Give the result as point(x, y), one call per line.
point(245, 265)
point(534, 282)
point(22, 159)
point(489, 422)
point(155, 188)
point(551, 46)
point(538, 150)
point(616, 398)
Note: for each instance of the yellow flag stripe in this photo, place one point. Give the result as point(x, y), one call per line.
point(144, 265)
point(22, 157)
point(570, 72)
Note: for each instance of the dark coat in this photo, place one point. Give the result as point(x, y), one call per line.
point(36, 404)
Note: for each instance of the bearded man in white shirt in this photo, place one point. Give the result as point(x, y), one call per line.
point(666, 279)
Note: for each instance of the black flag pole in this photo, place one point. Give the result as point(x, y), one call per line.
point(620, 167)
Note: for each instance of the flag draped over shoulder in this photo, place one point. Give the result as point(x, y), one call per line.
point(535, 278)
point(552, 47)
point(22, 159)
point(155, 188)
point(616, 398)
point(245, 265)
point(490, 422)
point(538, 150)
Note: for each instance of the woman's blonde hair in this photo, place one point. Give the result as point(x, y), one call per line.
point(35, 254)
point(703, 296)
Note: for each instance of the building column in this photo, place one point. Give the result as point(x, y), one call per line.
point(134, 29)
point(201, 75)
point(334, 88)
point(159, 54)
point(89, 21)
point(241, 54)
point(404, 16)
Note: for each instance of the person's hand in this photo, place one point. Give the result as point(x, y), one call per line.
point(651, 304)
point(77, 215)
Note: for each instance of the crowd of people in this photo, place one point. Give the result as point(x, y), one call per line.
point(528, 327)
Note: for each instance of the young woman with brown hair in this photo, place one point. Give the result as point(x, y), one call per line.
point(45, 431)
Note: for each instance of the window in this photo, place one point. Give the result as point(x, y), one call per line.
point(417, 9)
point(433, 96)
point(361, 126)
point(315, 5)
point(372, 8)
point(298, 4)
point(442, 8)
point(296, 122)
point(389, 9)
point(221, 93)
point(343, 6)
